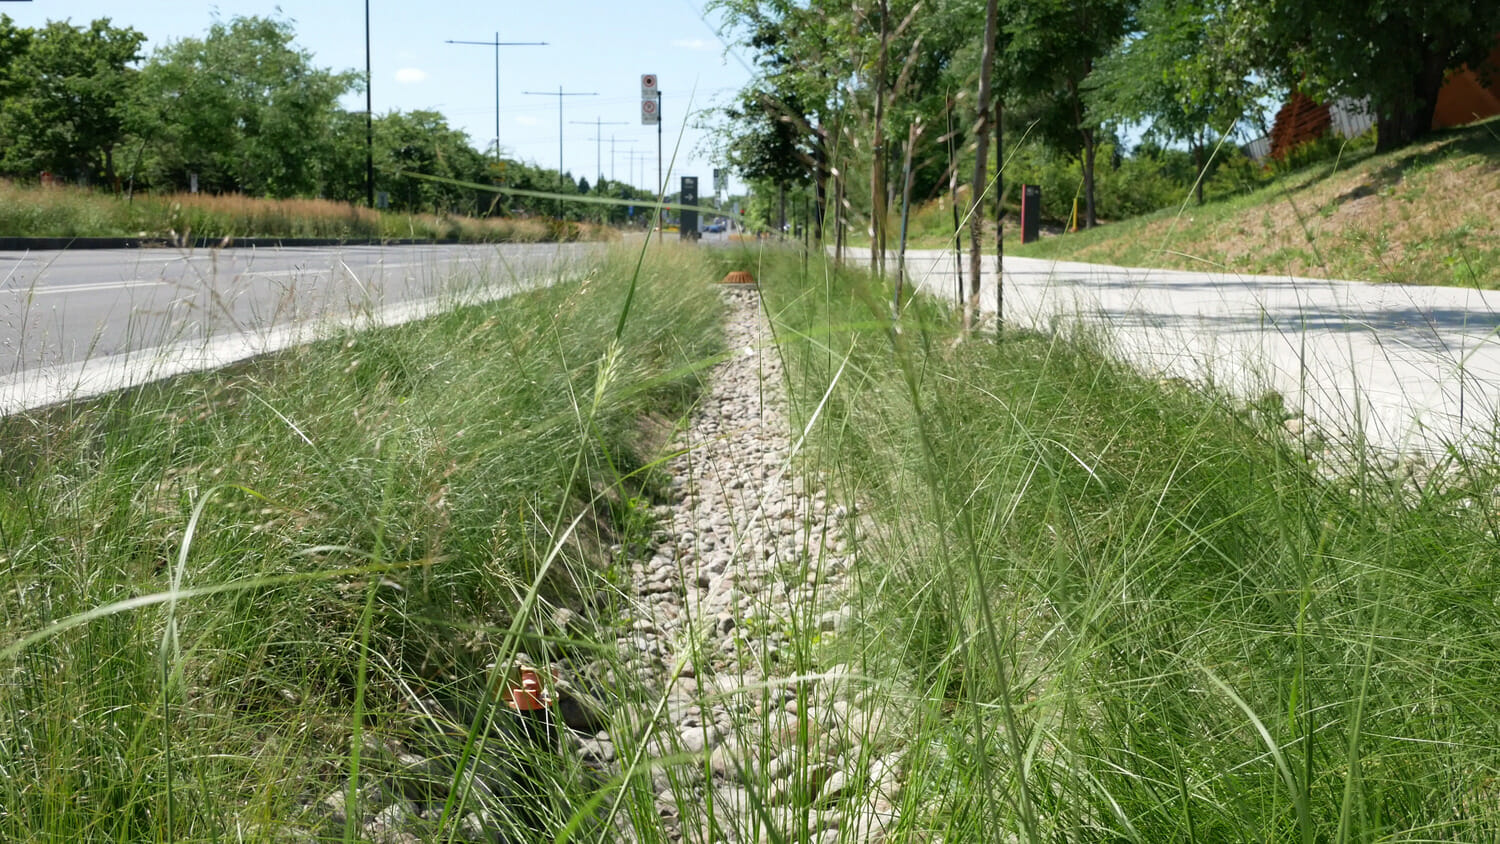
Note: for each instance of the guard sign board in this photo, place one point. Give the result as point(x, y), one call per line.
point(689, 219)
point(650, 100)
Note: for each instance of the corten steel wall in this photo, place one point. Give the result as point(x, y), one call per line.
point(1299, 121)
point(1465, 98)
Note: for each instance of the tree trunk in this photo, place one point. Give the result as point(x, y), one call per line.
point(781, 223)
point(1090, 219)
point(1198, 168)
point(981, 151)
point(1404, 121)
point(914, 132)
point(820, 183)
point(877, 152)
point(958, 249)
point(838, 220)
point(999, 212)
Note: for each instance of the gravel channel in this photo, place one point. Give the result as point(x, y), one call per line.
point(752, 569)
point(744, 735)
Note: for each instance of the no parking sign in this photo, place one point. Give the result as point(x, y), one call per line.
point(650, 100)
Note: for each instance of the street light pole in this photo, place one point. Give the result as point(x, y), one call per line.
point(369, 119)
point(599, 139)
point(560, 94)
point(497, 44)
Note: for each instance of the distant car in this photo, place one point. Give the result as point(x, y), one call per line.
point(714, 228)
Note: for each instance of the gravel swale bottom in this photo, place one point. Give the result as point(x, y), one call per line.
point(750, 571)
point(747, 572)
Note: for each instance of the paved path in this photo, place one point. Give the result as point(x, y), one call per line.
point(81, 322)
point(1413, 367)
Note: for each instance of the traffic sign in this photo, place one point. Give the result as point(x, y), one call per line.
point(689, 219)
point(648, 85)
point(649, 113)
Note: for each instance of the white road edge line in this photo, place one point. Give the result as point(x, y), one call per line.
point(48, 385)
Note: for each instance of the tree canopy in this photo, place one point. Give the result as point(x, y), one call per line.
point(65, 90)
point(1394, 53)
point(241, 109)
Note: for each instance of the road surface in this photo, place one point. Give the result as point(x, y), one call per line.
point(1413, 368)
point(78, 323)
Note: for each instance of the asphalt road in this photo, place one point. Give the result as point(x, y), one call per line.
point(76, 323)
point(1413, 368)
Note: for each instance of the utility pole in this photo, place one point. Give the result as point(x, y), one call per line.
point(641, 157)
point(497, 44)
point(599, 141)
point(560, 94)
point(369, 120)
point(629, 150)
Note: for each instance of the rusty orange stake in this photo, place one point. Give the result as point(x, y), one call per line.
point(529, 696)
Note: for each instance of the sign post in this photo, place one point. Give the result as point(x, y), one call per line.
point(651, 113)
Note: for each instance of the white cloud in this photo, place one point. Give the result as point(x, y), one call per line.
point(527, 120)
point(693, 44)
point(411, 75)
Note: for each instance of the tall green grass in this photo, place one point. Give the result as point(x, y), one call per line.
point(225, 593)
point(1120, 609)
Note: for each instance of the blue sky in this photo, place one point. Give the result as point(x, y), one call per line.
point(598, 46)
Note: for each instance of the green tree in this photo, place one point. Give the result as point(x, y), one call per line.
point(66, 90)
point(14, 42)
point(422, 142)
point(1162, 76)
point(1051, 53)
point(242, 107)
point(1395, 52)
point(785, 128)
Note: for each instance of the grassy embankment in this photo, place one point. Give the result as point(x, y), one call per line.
point(1424, 215)
point(220, 588)
point(1119, 609)
point(76, 212)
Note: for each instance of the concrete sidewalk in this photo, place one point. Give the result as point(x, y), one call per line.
point(1415, 368)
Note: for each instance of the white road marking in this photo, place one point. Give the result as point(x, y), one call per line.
point(297, 271)
point(72, 381)
point(45, 290)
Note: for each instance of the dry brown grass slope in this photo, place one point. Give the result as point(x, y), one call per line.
point(1426, 214)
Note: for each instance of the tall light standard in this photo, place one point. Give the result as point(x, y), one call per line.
point(560, 94)
point(599, 140)
point(369, 120)
point(497, 44)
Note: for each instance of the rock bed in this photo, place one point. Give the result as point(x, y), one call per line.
point(750, 568)
point(743, 729)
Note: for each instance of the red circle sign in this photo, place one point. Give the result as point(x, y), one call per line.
point(648, 106)
point(648, 81)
